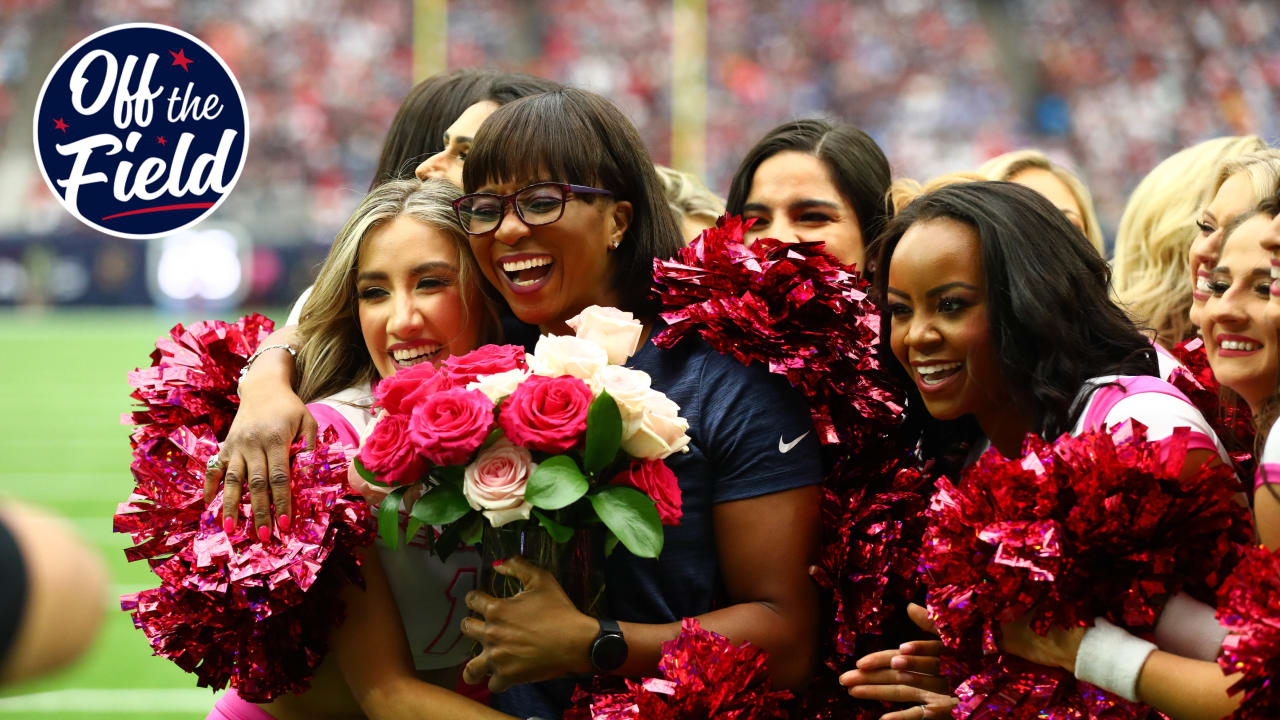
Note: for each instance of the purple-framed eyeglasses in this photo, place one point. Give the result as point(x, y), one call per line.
point(537, 204)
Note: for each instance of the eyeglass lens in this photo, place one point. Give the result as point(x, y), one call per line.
point(536, 205)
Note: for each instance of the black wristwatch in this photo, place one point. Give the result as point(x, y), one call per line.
point(609, 650)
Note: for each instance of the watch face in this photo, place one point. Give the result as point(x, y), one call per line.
point(609, 652)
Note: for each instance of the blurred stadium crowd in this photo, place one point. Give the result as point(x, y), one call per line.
point(1107, 87)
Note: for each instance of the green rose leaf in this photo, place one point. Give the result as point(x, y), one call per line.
point(560, 533)
point(389, 517)
point(610, 543)
point(440, 505)
point(367, 474)
point(630, 515)
point(494, 436)
point(470, 530)
point(604, 433)
point(451, 475)
point(556, 483)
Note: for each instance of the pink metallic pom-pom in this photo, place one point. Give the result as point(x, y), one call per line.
point(229, 608)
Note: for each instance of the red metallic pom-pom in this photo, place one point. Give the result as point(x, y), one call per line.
point(229, 608)
point(704, 675)
point(1249, 606)
point(1095, 525)
point(798, 312)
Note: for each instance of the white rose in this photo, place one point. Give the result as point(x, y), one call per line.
point(661, 431)
point(617, 331)
point(630, 389)
point(499, 385)
point(557, 355)
point(495, 481)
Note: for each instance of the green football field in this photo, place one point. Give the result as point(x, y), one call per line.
point(63, 387)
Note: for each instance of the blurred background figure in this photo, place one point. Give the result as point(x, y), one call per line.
point(1035, 170)
point(695, 206)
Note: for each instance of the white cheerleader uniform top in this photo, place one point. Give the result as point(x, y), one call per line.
point(429, 592)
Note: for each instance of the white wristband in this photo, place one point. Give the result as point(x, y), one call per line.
point(1112, 659)
point(1189, 628)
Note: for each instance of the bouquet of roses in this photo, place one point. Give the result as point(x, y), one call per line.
point(565, 438)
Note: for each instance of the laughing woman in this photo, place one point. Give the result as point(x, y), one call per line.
point(999, 315)
point(399, 275)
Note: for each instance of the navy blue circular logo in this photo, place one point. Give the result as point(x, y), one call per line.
point(141, 130)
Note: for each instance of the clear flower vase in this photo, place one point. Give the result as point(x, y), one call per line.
point(578, 565)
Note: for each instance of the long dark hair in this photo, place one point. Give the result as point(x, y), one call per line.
point(857, 165)
point(1053, 323)
point(576, 136)
point(417, 132)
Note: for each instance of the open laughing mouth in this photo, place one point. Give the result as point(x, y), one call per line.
point(934, 376)
point(1237, 345)
point(410, 356)
point(526, 273)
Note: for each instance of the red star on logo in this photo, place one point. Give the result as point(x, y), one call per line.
point(160, 139)
point(180, 58)
point(59, 125)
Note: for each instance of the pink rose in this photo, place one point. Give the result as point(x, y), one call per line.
point(617, 331)
point(487, 360)
point(389, 453)
point(547, 414)
point(494, 483)
point(449, 425)
point(655, 479)
point(409, 387)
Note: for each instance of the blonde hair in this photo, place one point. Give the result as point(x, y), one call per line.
point(333, 354)
point(903, 190)
point(1262, 167)
point(1156, 230)
point(686, 195)
point(1012, 164)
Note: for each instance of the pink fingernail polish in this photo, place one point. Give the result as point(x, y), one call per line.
point(229, 525)
point(282, 522)
point(264, 534)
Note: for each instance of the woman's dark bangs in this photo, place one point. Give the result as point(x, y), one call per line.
point(534, 138)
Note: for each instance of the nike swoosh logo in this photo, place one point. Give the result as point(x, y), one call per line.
point(785, 447)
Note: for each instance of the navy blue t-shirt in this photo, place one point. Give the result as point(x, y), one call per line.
point(751, 435)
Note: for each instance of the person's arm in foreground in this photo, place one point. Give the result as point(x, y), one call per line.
point(256, 450)
point(66, 591)
point(765, 547)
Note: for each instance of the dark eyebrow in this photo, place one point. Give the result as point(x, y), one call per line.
point(423, 269)
point(813, 202)
point(460, 139)
point(758, 207)
point(895, 291)
point(951, 285)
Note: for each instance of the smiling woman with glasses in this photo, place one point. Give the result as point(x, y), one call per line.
point(589, 220)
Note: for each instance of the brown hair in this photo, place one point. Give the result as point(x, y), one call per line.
point(578, 137)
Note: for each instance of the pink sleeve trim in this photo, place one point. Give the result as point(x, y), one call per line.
point(1106, 397)
point(327, 416)
point(1268, 473)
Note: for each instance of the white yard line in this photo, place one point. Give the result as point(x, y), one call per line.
point(103, 701)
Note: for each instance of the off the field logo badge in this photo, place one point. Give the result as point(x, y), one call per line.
point(141, 130)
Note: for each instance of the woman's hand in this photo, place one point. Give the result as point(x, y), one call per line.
point(1056, 649)
point(270, 417)
point(909, 674)
point(536, 635)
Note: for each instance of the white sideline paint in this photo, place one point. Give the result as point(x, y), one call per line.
point(111, 702)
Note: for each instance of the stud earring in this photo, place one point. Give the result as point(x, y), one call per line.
point(614, 245)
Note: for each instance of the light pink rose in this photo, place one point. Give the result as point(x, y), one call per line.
point(617, 331)
point(630, 389)
point(499, 385)
point(494, 482)
point(557, 355)
point(661, 432)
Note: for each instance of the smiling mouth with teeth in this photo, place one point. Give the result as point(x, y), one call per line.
point(526, 272)
point(1239, 345)
point(409, 357)
point(936, 374)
